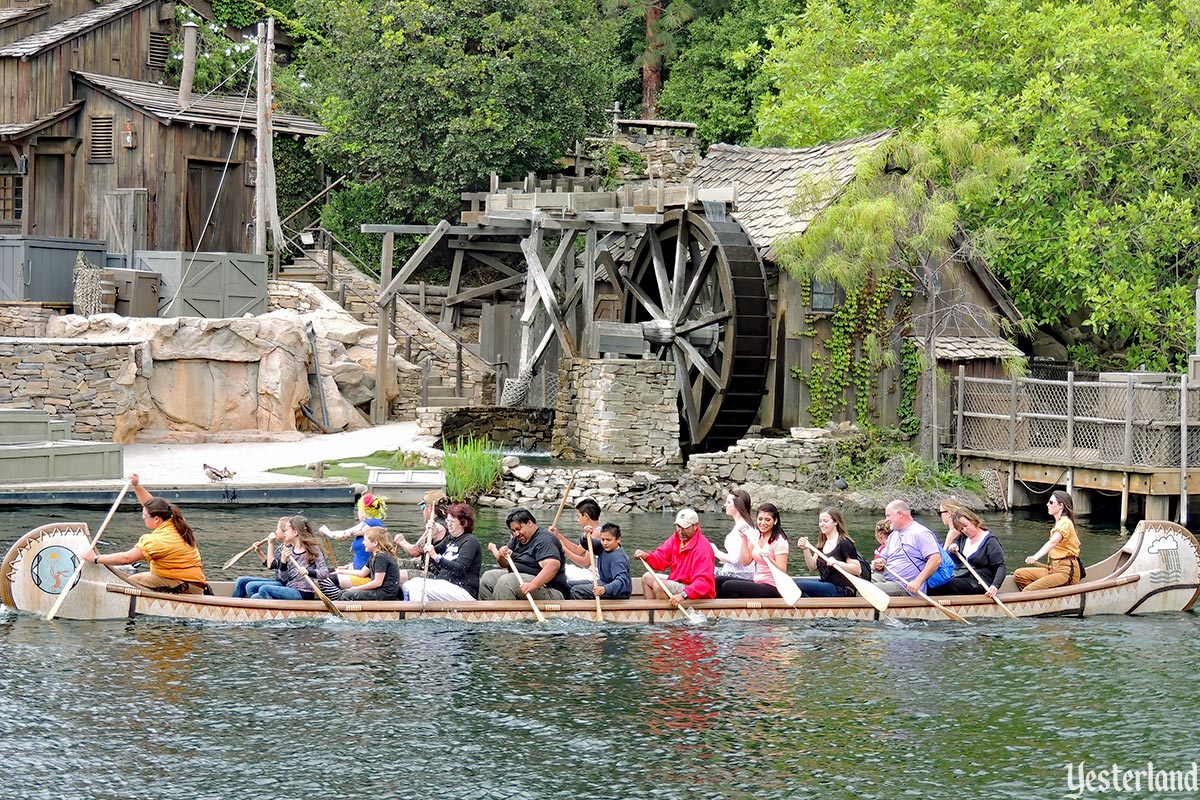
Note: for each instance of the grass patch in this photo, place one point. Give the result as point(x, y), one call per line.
point(388, 459)
point(473, 467)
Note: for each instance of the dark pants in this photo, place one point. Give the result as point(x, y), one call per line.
point(736, 588)
point(959, 584)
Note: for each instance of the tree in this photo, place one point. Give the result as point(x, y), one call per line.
point(436, 97)
point(1097, 238)
point(716, 79)
point(897, 224)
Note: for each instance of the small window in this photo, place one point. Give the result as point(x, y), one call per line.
point(823, 296)
point(101, 149)
point(160, 50)
point(11, 199)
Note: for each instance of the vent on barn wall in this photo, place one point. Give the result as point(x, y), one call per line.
point(160, 51)
point(101, 148)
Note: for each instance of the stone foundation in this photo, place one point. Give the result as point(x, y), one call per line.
point(525, 429)
point(617, 411)
point(90, 384)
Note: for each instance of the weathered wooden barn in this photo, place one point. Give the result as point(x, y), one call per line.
point(766, 182)
point(85, 124)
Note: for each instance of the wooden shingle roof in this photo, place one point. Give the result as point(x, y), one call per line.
point(17, 13)
point(972, 348)
point(20, 130)
point(69, 28)
point(222, 111)
point(766, 179)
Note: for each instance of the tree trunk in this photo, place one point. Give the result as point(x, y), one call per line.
point(652, 61)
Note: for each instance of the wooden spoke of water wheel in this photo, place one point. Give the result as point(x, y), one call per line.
point(698, 290)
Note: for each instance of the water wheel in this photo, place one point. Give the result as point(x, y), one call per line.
point(697, 288)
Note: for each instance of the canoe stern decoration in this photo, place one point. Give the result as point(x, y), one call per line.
point(37, 567)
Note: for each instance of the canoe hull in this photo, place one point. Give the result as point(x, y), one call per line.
point(1158, 570)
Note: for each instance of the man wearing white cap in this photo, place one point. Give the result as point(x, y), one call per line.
point(688, 559)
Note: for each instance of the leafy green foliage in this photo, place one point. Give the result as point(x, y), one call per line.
point(473, 467)
point(716, 81)
point(236, 13)
point(296, 175)
point(1097, 236)
point(436, 97)
point(219, 62)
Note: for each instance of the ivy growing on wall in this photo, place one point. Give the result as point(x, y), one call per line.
point(856, 350)
point(297, 175)
point(911, 367)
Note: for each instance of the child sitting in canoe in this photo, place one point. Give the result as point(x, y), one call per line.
point(296, 562)
point(613, 578)
point(372, 511)
point(381, 572)
point(247, 585)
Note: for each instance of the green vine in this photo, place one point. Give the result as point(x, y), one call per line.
point(910, 372)
point(852, 354)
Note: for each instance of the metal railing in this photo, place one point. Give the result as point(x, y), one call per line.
point(1125, 420)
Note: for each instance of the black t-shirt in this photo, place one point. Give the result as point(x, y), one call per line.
point(843, 551)
point(385, 563)
point(542, 545)
point(460, 563)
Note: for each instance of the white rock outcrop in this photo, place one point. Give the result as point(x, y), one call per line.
point(211, 376)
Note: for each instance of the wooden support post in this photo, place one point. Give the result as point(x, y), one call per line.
point(962, 398)
point(1070, 415)
point(1124, 498)
point(588, 317)
point(1012, 417)
point(1128, 425)
point(392, 285)
point(1183, 450)
point(379, 409)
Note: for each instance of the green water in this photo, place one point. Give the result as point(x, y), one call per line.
point(427, 709)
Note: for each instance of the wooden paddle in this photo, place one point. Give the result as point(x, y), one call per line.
point(79, 567)
point(245, 552)
point(930, 600)
point(693, 616)
point(975, 575)
point(787, 587)
point(287, 551)
point(866, 590)
point(595, 575)
point(537, 612)
point(425, 573)
point(562, 505)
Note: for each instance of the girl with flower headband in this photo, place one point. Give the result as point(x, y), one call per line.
point(372, 510)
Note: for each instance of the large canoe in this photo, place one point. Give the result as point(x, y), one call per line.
point(1156, 570)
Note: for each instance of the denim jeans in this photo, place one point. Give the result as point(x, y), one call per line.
point(247, 585)
point(276, 591)
point(815, 587)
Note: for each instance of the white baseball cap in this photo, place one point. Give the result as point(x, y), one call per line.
point(686, 517)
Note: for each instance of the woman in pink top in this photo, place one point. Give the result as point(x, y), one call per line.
point(772, 544)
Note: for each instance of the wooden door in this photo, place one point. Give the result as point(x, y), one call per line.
point(51, 196)
point(212, 222)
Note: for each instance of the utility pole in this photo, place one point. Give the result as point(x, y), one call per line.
point(263, 183)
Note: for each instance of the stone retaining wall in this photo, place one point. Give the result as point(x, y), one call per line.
point(25, 320)
point(89, 383)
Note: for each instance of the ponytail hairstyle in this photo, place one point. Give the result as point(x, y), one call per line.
point(371, 505)
point(379, 537)
point(158, 507)
point(308, 540)
point(1068, 505)
point(741, 504)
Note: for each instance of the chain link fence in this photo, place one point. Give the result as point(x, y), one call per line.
point(1125, 420)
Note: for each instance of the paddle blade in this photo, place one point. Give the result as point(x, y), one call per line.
point(870, 592)
point(787, 587)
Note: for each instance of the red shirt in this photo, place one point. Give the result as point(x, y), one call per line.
point(692, 565)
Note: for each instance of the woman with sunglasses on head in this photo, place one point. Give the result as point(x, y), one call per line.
point(982, 551)
point(946, 510)
point(169, 546)
point(433, 509)
point(1062, 546)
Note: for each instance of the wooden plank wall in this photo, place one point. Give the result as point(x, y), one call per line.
point(160, 165)
point(43, 83)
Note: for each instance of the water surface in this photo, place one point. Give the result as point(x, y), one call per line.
point(432, 709)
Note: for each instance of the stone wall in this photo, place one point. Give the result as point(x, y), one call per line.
point(25, 320)
point(670, 152)
point(617, 411)
point(91, 384)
